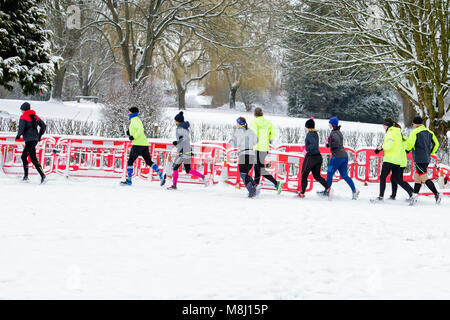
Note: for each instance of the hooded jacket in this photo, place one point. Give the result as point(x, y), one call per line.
point(28, 124)
point(183, 138)
point(244, 140)
point(392, 146)
point(423, 143)
point(265, 131)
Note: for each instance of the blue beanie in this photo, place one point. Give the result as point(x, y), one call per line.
point(334, 121)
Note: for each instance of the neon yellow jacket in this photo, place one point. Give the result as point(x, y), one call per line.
point(136, 129)
point(392, 146)
point(404, 159)
point(265, 131)
point(423, 143)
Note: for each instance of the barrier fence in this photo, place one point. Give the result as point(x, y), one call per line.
point(75, 156)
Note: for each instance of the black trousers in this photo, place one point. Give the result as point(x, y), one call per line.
point(395, 184)
point(245, 165)
point(30, 151)
point(312, 164)
point(137, 151)
point(395, 177)
point(260, 168)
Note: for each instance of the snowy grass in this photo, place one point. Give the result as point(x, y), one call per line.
point(92, 239)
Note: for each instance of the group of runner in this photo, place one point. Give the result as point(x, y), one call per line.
point(253, 144)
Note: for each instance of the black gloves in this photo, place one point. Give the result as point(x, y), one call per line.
point(377, 151)
point(131, 138)
point(175, 143)
point(17, 137)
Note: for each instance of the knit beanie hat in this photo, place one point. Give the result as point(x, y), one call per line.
point(25, 106)
point(334, 121)
point(418, 120)
point(388, 122)
point(134, 110)
point(310, 123)
point(179, 117)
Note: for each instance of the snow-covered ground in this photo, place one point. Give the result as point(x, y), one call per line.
point(83, 111)
point(92, 239)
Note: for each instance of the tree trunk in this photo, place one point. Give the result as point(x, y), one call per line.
point(233, 91)
point(409, 112)
point(58, 83)
point(181, 95)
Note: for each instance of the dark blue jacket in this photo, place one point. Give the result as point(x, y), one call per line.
point(312, 143)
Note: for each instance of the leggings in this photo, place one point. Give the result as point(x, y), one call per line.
point(30, 151)
point(395, 184)
point(395, 169)
point(245, 165)
point(340, 164)
point(312, 164)
point(260, 168)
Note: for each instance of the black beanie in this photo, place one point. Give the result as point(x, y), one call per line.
point(388, 122)
point(310, 123)
point(25, 106)
point(418, 120)
point(179, 117)
point(134, 110)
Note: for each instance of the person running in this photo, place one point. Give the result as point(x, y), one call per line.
point(403, 163)
point(313, 160)
point(140, 146)
point(423, 143)
point(183, 145)
point(265, 132)
point(339, 157)
point(28, 124)
point(245, 140)
point(392, 147)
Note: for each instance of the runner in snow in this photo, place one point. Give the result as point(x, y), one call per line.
point(28, 124)
point(423, 144)
point(136, 134)
point(313, 160)
point(244, 140)
point(392, 159)
point(183, 145)
point(265, 132)
point(339, 157)
point(403, 163)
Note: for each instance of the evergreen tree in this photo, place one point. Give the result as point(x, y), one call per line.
point(25, 55)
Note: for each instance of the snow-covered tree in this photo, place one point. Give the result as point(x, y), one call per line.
point(148, 98)
point(25, 55)
point(407, 41)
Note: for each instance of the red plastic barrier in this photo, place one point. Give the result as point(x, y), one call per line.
point(107, 158)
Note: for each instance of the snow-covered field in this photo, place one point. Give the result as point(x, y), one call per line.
point(92, 239)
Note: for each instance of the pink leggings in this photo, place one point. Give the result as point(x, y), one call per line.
point(191, 172)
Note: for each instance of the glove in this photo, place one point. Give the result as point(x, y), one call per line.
point(17, 137)
point(377, 151)
point(175, 143)
point(407, 151)
point(131, 138)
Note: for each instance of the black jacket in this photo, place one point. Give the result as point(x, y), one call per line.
point(312, 143)
point(28, 124)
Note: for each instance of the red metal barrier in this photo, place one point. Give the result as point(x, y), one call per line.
point(106, 158)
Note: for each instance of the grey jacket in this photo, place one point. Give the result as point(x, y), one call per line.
point(183, 138)
point(244, 140)
point(312, 143)
point(336, 144)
